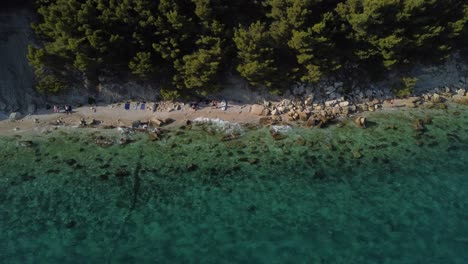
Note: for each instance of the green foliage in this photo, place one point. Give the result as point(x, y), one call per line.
point(50, 84)
point(169, 94)
point(256, 59)
point(404, 87)
point(142, 65)
point(191, 44)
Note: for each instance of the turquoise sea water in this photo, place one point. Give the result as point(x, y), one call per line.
point(385, 194)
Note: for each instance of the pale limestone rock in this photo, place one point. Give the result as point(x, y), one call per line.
point(257, 109)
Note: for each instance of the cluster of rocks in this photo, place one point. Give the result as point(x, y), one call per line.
point(438, 97)
point(305, 111)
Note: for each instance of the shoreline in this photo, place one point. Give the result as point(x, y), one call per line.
point(297, 112)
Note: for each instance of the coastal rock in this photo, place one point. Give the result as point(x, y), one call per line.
point(363, 107)
point(281, 109)
point(191, 167)
point(309, 100)
point(265, 121)
point(357, 154)
point(26, 144)
point(268, 121)
point(257, 109)
point(459, 99)
point(120, 173)
point(265, 112)
point(103, 142)
point(343, 104)
point(125, 141)
point(153, 136)
point(360, 121)
point(14, 116)
point(440, 106)
point(336, 111)
point(303, 116)
point(418, 125)
point(124, 130)
point(82, 122)
point(331, 103)
point(229, 137)
point(168, 121)
point(156, 122)
point(277, 135)
point(345, 110)
point(136, 124)
point(312, 121)
point(94, 122)
point(435, 98)
point(427, 120)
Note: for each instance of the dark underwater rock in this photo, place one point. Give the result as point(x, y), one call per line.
point(26, 144)
point(418, 125)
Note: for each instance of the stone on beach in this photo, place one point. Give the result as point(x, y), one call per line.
point(460, 99)
point(257, 109)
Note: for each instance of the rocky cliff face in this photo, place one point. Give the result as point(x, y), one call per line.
point(17, 91)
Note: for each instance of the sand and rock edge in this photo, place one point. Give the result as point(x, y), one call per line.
point(299, 111)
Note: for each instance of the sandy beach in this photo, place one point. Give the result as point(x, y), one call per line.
point(116, 115)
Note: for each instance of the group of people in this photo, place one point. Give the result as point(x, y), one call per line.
point(67, 109)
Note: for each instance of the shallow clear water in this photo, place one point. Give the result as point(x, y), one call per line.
point(385, 194)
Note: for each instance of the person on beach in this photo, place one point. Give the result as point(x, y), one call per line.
point(224, 105)
point(214, 104)
point(56, 110)
point(194, 105)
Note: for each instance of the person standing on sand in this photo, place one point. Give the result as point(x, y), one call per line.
point(56, 109)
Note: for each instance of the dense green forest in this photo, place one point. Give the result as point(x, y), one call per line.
point(189, 46)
